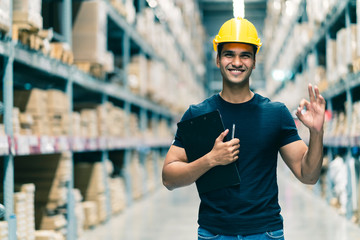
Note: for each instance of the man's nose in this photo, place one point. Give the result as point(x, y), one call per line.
point(237, 61)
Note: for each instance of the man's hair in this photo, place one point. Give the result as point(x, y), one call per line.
point(220, 47)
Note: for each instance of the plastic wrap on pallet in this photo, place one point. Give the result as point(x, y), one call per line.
point(28, 12)
point(89, 32)
point(4, 15)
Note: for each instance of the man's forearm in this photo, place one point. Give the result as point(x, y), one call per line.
point(313, 158)
point(179, 174)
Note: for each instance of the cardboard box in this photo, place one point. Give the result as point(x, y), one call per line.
point(90, 32)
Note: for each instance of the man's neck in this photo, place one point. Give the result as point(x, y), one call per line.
point(236, 96)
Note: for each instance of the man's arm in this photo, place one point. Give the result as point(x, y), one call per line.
point(306, 162)
point(178, 172)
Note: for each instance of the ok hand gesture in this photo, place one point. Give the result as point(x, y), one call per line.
point(313, 117)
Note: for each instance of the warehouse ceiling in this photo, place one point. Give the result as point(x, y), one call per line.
point(214, 14)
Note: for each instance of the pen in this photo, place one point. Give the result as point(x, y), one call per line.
point(233, 132)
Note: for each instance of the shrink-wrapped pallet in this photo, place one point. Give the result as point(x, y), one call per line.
point(331, 61)
point(5, 15)
point(90, 32)
point(342, 52)
point(28, 13)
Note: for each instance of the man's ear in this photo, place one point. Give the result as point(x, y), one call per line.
point(218, 60)
point(254, 66)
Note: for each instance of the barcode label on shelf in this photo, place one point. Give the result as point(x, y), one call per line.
point(91, 144)
point(47, 144)
point(22, 146)
point(62, 144)
point(4, 145)
point(102, 143)
point(34, 144)
point(78, 144)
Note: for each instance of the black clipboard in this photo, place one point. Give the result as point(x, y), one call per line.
point(198, 136)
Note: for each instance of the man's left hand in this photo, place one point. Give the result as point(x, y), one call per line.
point(313, 117)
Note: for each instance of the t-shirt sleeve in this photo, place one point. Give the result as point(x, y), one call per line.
point(288, 128)
point(178, 141)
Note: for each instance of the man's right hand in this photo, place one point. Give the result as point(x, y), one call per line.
point(224, 153)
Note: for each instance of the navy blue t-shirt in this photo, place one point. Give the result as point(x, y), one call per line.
point(251, 207)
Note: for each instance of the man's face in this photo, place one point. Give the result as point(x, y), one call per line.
point(236, 62)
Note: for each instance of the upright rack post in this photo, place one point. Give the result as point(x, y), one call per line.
point(348, 110)
point(143, 149)
point(127, 157)
point(104, 159)
point(67, 21)
point(70, 207)
point(8, 96)
point(126, 58)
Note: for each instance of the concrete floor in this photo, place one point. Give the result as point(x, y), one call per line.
point(166, 215)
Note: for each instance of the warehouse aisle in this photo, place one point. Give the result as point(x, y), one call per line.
point(172, 215)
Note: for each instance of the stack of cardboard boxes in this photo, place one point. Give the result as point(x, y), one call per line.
point(137, 173)
point(117, 194)
point(79, 212)
point(48, 235)
point(4, 232)
point(41, 112)
point(90, 180)
point(150, 172)
point(58, 112)
point(24, 211)
point(115, 121)
point(90, 213)
point(89, 123)
point(50, 174)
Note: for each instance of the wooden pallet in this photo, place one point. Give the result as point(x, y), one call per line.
point(356, 65)
point(119, 7)
point(59, 51)
point(95, 69)
point(27, 35)
point(39, 41)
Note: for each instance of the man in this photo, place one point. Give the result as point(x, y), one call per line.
point(249, 210)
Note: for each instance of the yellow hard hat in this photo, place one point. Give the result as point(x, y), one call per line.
point(237, 30)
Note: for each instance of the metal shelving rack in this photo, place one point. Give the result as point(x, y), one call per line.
point(320, 33)
point(344, 87)
point(12, 52)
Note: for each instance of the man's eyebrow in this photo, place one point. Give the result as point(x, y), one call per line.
point(242, 53)
point(228, 51)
